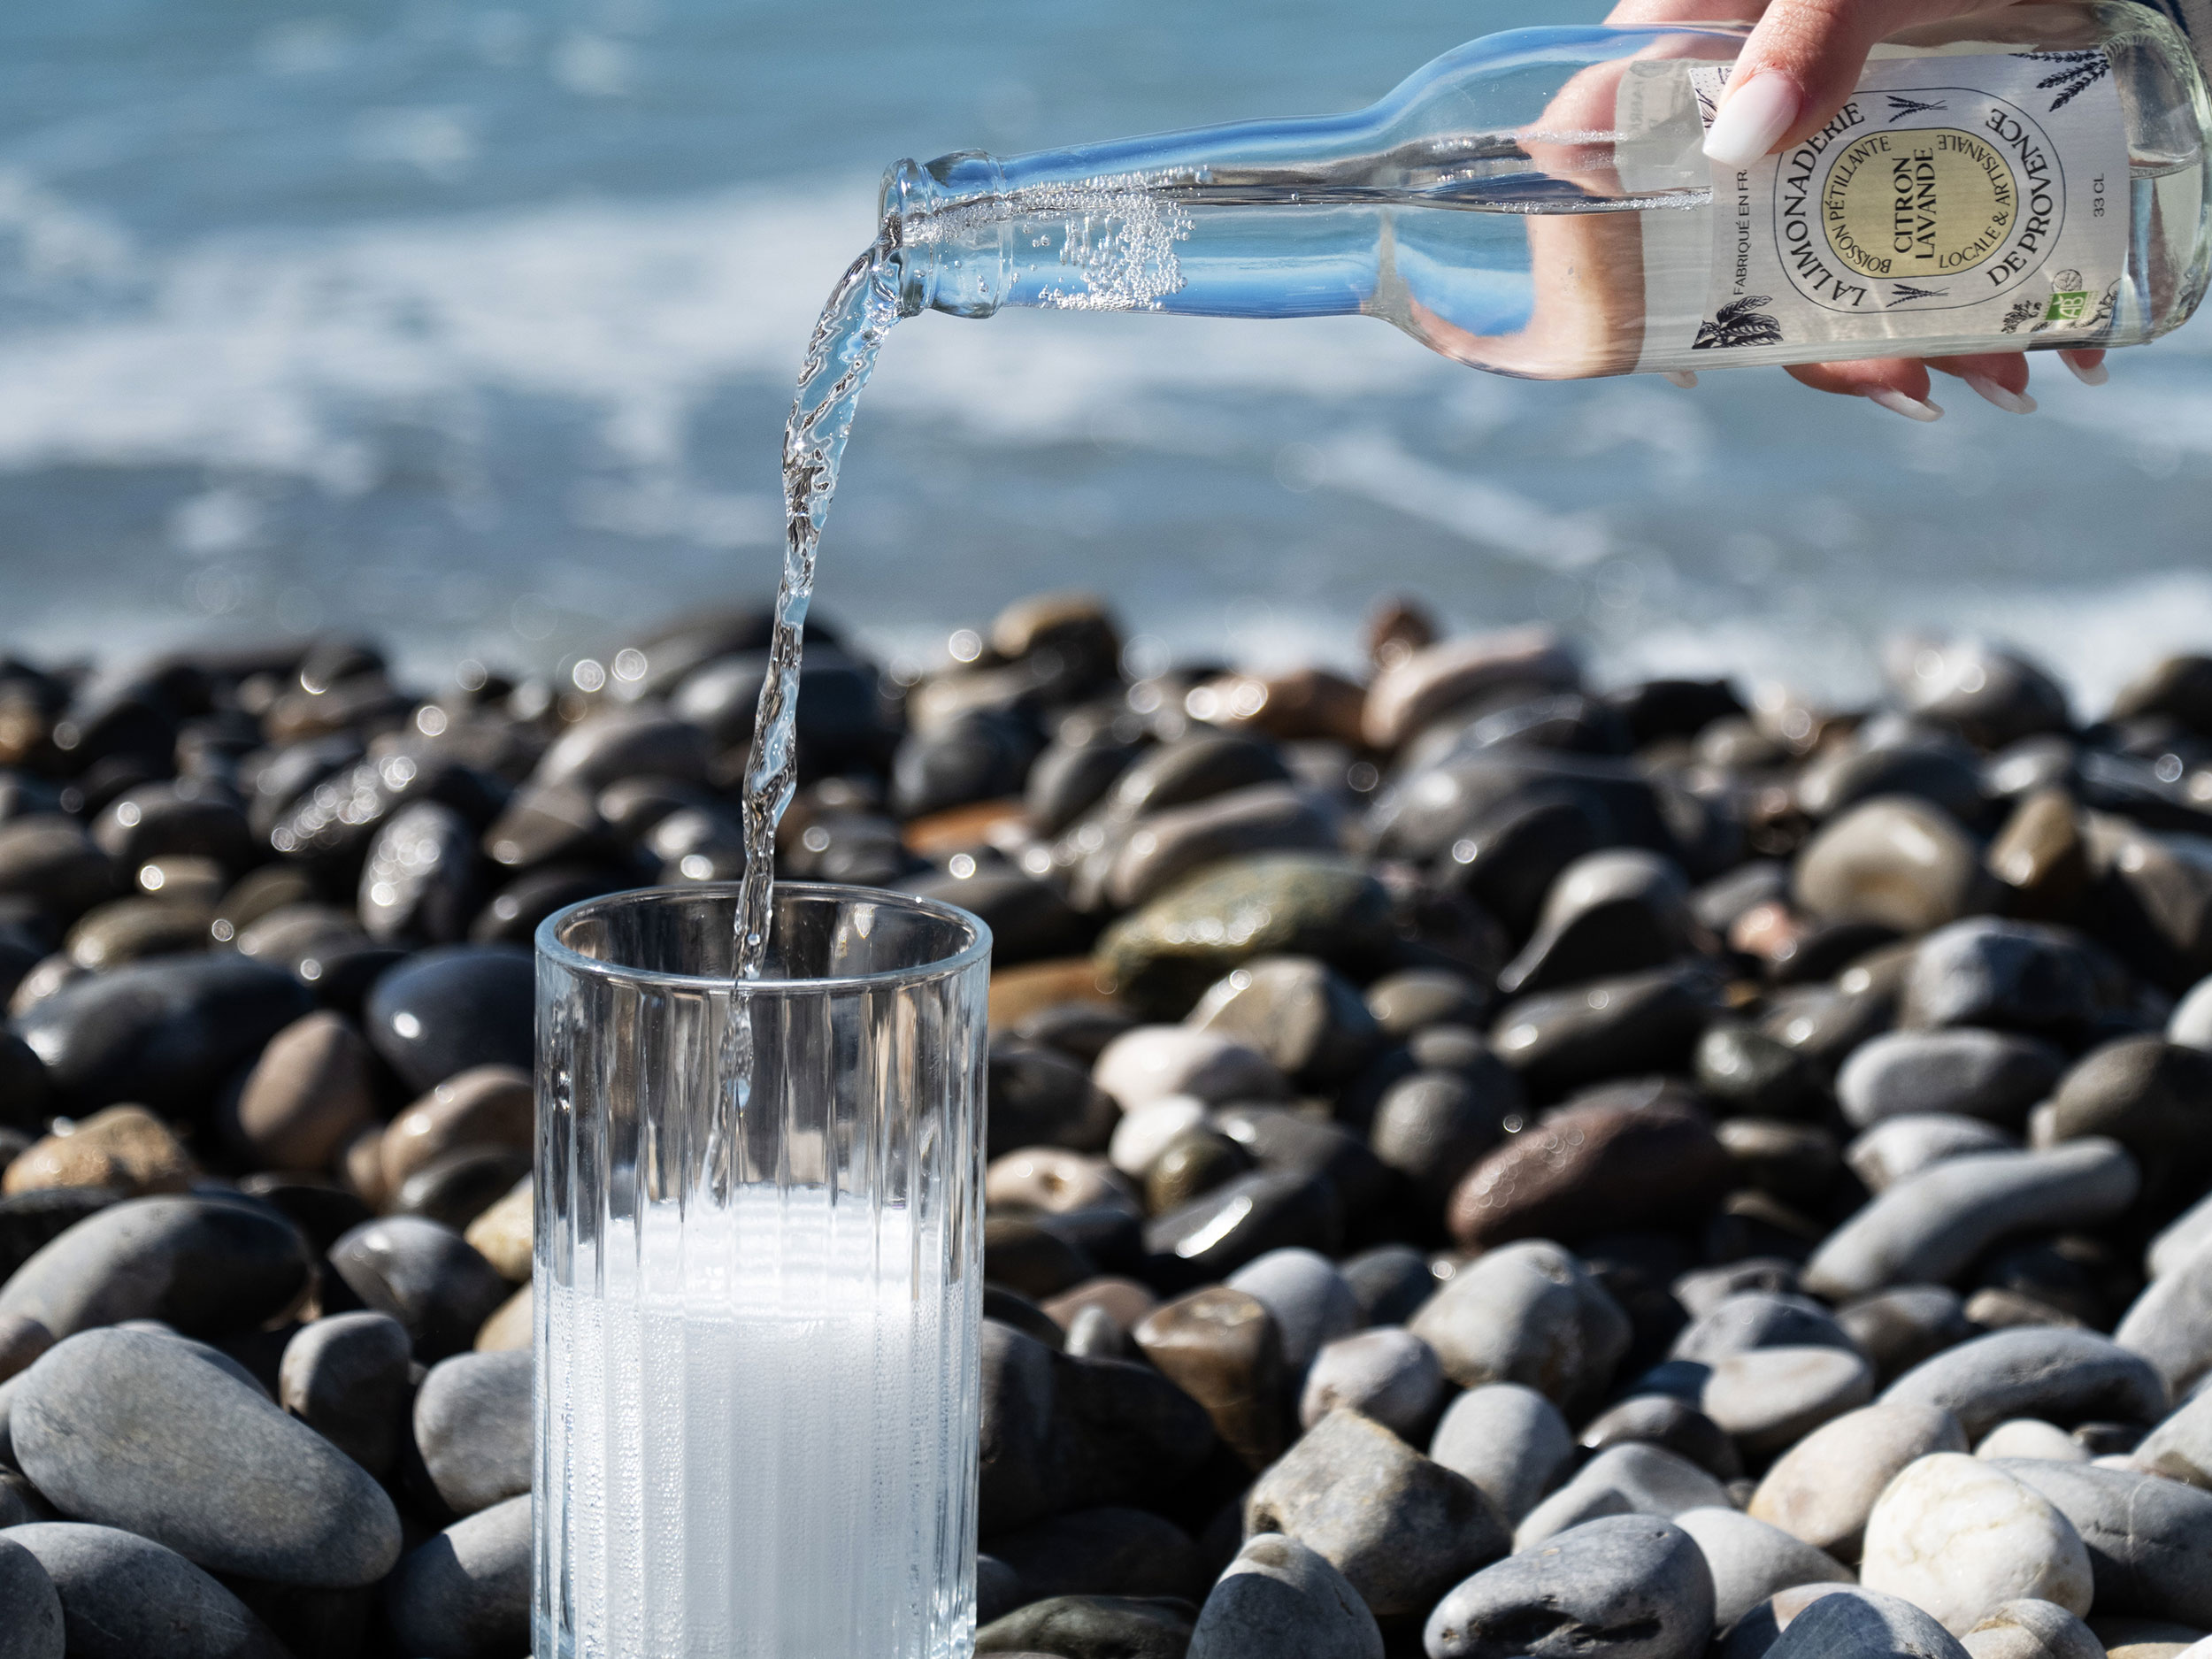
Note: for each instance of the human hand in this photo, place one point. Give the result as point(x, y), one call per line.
point(1802, 61)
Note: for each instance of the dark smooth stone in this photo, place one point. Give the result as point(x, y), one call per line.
point(1022, 1253)
point(982, 754)
point(1990, 696)
point(1744, 1070)
point(1406, 1001)
point(1561, 1039)
point(1390, 1282)
point(1947, 775)
point(1079, 1030)
point(164, 1034)
point(1527, 1313)
point(1760, 1319)
point(1794, 1162)
point(51, 860)
point(161, 819)
point(2011, 976)
point(348, 1377)
point(2154, 1098)
point(618, 743)
point(123, 931)
point(1062, 1433)
point(1850, 1623)
point(1609, 913)
point(1434, 1126)
point(30, 1608)
point(998, 1589)
point(1825, 1023)
point(466, 1593)
point(1656, 708)
point(426, 1276)
point(1029, 921)
point(1213, 1235)
point(546, 821)
point(1010, 1307)
point(421, 881)
point(319, 1209)
point(1671, 1422)
point(1591, 1169)
point(1511, 856)
point(312, 1619)
point(461, 1185)
point(26, 1096)
point(452, 1006)
point(207, 1266)
point(2060, 1375)
point(126, 1597)
point(1191, 768)
point(473, 1425)
point(1402, 1528)
point(330, 829)
point(1302, 1014)
point(1069, 778)
point(1221, 1347)
point(1283, 1139)
point(1898, 1328)
point(114, 1426)
point(1040, 1097)
point(1093, 1627)
point(836, 704)
point(31, 1221)
point(1627, 1587)
point(2178, 686)
point(1279, 1598)
point(1193, 1164)
point(1993, 1075)
point(513, 916)
point(1106, 1551)
point(1160, 959)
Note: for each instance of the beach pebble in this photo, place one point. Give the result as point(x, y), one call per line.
point(1224, 1349)
point(114, 1426)
point(1985, 971)
point(1929, 1227)
point(2149, 1540)
point(2125, 1638)
point(124, 1148)
point(1771, 1398)
point(2031, 1437)
point(2057, 1374)
point(1280, 1600)
point(1750, 1560)
point(504, 1234)
point(1212, 1235)
point(1400, 1528)
point(484, 1106)
point(1560, 1041)
point(1896, 1329)
point(1823, 1488)
point(1303, 1016)
point(30, 1609)
point(1608, 913)
point(1157, 1062)
point(2030, 1629)
point(126, 1597)
point(424, 1275)
point(1507, 1439)
point(2180, 1448)
point(1862, 1623)
point(1405, 1002)
point(207, 1266)
point(1109, 1550)
point(1958, 1536)
point(2191, 1021)
point(1898, 1147)
point(464, 1593)
point(1432, 1127)
point(1591, 1168)
point(346, 1377)
point(1391, 1281)
point(1670, 1423)
point(1526, 1313)
point(1632, 1479)
point(1040, 1097)
point(420, 881)
point(2152, 1096)
point(1758, 1318)
point(1904, 862)
point(1143, 1133)
point(1621, 1588)
point(2177, 1241)
point(450, 1008)
point(2171, 1323)
point(313, 1090)
point(1093, 1627)
point(1429, 681)
point(1386, 1373)
point(1992, 1075)
point(472, 1422)
point(1312, 1303)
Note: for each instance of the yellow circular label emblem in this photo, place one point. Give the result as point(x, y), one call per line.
point(1926, 202)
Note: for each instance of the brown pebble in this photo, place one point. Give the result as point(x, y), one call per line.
point(311, 1093)
point(125, 1147)
point(502, 1234)
point(510, 1326)
point(1220, 1347)
point(1125, 1299)
point(486, 1105)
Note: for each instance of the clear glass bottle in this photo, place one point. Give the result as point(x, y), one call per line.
point(1537, 203)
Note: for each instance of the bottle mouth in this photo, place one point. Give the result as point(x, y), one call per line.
point(914, 192)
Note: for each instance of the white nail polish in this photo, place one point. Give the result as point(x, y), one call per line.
point(2011, 402)
point(2087, 373)
point(1686, 378)
point(1751, 119)
point(1910, 408)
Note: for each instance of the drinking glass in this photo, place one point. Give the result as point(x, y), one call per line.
point(758, 1299)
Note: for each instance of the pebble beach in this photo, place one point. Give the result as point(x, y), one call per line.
point(1483, 1161)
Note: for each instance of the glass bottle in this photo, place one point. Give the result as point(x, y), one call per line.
point(1538, 202)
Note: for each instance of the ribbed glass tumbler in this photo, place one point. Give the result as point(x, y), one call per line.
point(757, 1299)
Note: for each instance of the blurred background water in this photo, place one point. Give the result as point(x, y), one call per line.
point(473, 327)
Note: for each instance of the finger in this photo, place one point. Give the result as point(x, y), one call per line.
point(1897, 384)
point(2086, 366)
point(1999, 378)
point(1801, 62)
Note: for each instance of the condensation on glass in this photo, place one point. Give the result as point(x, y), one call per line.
point(756, 1318)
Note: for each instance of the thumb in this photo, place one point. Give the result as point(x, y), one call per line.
point(1800, 65)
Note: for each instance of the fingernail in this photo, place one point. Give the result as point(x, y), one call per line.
point(2087, 373)
point(1686, 379)
point(1752, 119)
point(2011, 402)
point(1910, 408)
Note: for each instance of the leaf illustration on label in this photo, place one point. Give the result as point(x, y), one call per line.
point(1900, 107)
point(2025, 309)
point(1904, 291)
point(2082, 70)
point(1740, 323)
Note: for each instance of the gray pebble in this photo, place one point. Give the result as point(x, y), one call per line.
point(2179, 1238)
point(1387, 1373)
point(346, 1377)
point(1312, 1303)
point(2060, 1375)
point(1987, 972)
point(1280, 1600)
point(472, 1424)
point(1391, 1281)
point(426, 1276)
point(1755, 1319)
point(139, 1431)
point(1632, 1479)
point(1864, 1624)
point(1898, 1328)
point(1705, 1288)
point(1667, 1421)
point(998, 1588)
point(2171, 1323)
point(1898, 1147)
point(1509, 1441)
point(1400, 1528)
point(2180, 1448)
point(1092, 1627)
point(1526, 1313)
point(2029, 1628)
point(1404, 1002)
point(1929, 1227)
point(30, 1611)
point(1433, 1126)
point(1750, 1560)
point(465, 1593)
point(1623, 1588)
point(1771, 1398)
point(1299, 1012)
point(1993, 1075)
point(2149, 1540)
point(126, 1597)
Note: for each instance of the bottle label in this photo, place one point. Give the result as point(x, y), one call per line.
point(1953, 198)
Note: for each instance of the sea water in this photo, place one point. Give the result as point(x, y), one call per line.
point(755, 1434)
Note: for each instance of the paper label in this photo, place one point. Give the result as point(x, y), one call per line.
point(1952, 195)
